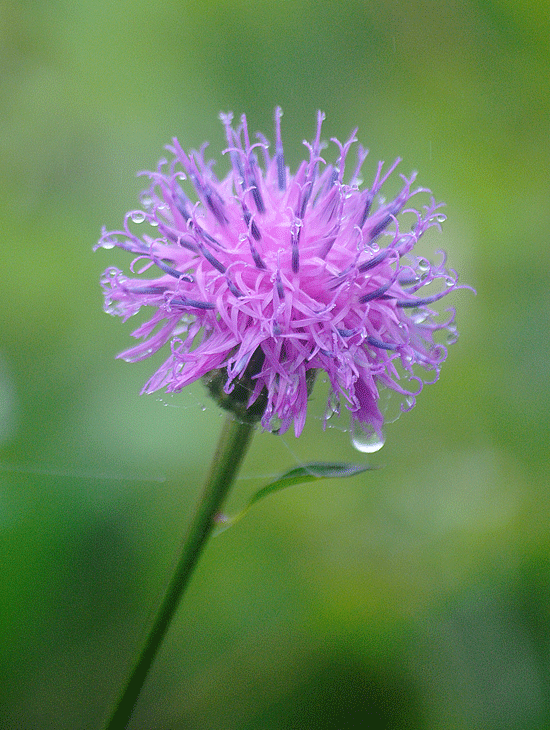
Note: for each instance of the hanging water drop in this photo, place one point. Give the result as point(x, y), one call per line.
point(275, 425)
point(365, 439)
point(452, 335)
point(409, 402)
point(390, 406)
point(333, 406)
point(137, 216)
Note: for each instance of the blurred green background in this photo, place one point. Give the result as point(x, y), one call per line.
point(414, 596)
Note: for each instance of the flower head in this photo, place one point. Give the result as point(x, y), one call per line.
point(260, 279)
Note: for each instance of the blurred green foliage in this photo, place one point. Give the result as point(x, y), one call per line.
point(414, 596)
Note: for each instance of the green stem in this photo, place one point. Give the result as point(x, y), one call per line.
point(232, 446)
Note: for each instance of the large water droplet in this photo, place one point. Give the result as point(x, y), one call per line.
point(137, 216)
point(365, 439)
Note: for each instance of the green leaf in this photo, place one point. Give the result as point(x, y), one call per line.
point(311, 472)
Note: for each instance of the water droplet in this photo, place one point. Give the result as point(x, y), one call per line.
point(137, 216)
point(108, 244)
point(390, 405)
point(365, 439)
point(449, 281)
point(275, 424)
point(452, 335)
point(333, 406)
point(440, 218)
point(423, 265)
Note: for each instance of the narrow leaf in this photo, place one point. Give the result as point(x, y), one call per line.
point(311, 472)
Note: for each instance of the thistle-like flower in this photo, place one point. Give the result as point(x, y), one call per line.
point(261, 279)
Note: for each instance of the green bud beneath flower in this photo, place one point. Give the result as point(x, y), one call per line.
point(236, 401)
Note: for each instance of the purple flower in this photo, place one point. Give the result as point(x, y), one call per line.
point(263, 278)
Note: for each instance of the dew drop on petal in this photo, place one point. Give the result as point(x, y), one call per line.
point(333, 406)
point(390, 405)
point(365, 439)
point(137, 217)
point(452, 336)
point(275, 424)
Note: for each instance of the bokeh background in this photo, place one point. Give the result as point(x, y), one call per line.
point(413, 596)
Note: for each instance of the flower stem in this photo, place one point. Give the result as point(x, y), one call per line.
point(232, 446)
